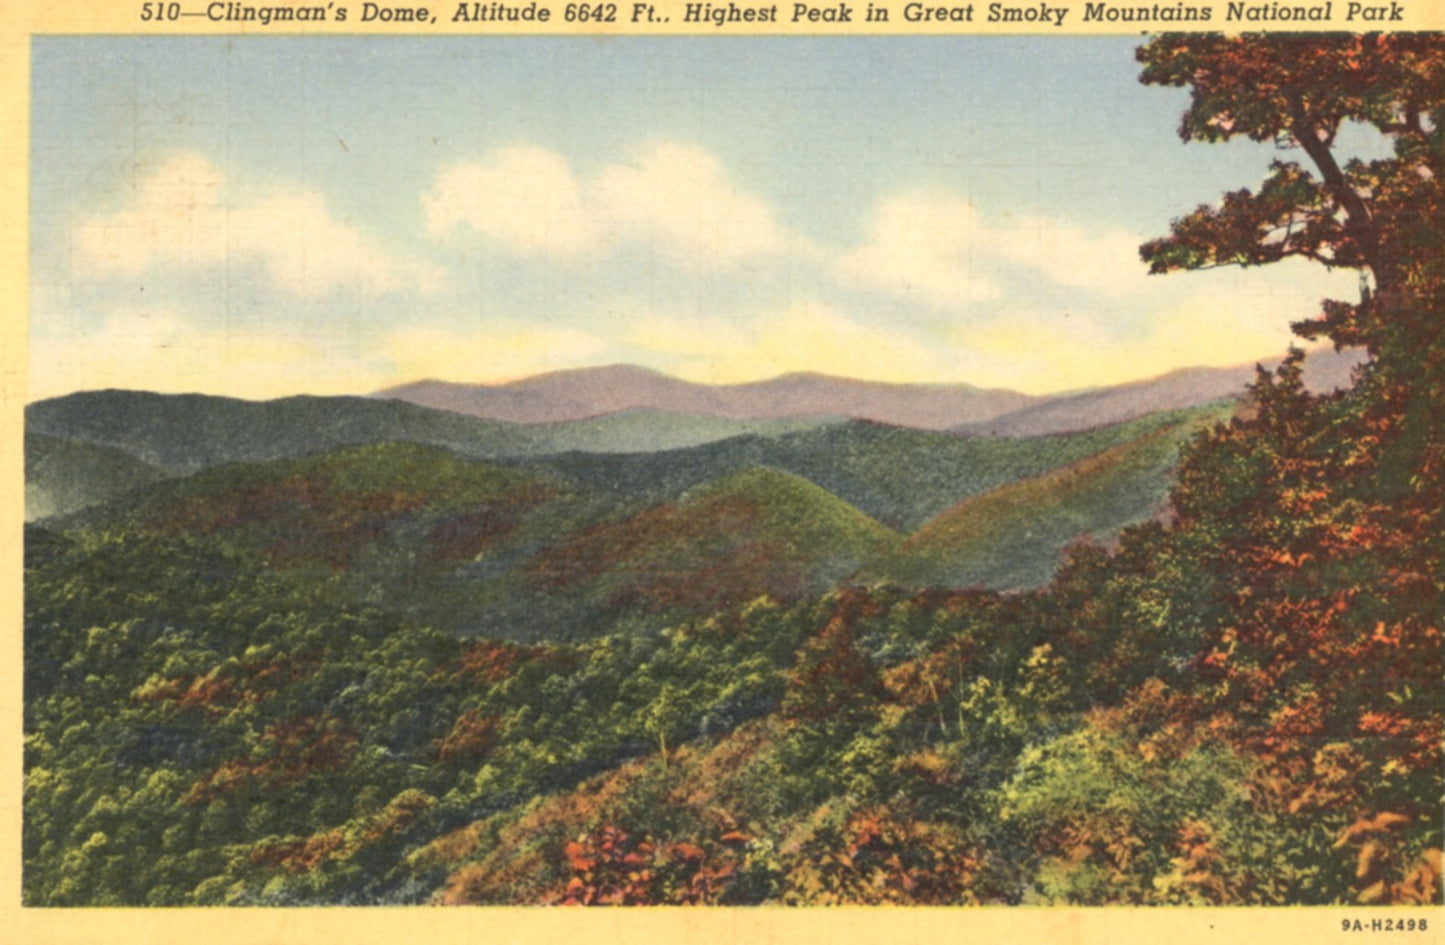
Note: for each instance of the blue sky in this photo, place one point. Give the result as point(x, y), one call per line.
point(260, 217)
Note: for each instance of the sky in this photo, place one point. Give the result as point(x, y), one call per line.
point(260, 217)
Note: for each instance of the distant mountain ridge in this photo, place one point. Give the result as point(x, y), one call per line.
point(590, 393)
point(1324, 370)
point(85, 447)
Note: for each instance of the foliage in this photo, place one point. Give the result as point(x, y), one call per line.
point(1240, 702)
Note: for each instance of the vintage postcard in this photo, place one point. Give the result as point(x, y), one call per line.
point(858, 471)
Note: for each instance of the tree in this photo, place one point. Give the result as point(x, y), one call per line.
point(1384, 217)
point(1319, 519)
point(1300, 91)
point(663, 716)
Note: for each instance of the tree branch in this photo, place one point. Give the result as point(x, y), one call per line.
point(1357, 212)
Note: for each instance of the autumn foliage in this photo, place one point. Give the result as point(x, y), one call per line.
point(1242, 703)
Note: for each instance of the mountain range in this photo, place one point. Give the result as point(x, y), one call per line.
point(654, 498)
point(1324, 370)
point(574, 395)
point(589, 392)
point(568, 545)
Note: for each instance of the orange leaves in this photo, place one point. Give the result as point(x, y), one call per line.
point(703, 881)
point(1387, 724)
point(1422, 886)
point(1276, 556)
point(1198, 870)
point(686, 851)
point(228, 684)
point(340, 843)
point(831, 676)
point(1315, 516)
point(290, 751)
point(611, 867)
point(1368, 827)
point(1302, 501)
point(578, 857)
point(300, 856)
point(608, 868)
point(487, 661)
point(1385, 636)
point(928, 767)
point(877, 856)
point(920, 682)
point(397, 815)
point(1295, 724)
point(472, 736)
point(1381, 872)
point(1373, 854)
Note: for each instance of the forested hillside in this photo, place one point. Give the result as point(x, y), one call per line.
point(239, 688)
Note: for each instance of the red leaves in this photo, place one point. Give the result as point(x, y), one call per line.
point(472, 737)
point(831, 676)
point(487, 661)
point(290, 751)
point(611, 867)
point(686, 851)
point(608, 867)
point(339, 843)
point(578, 858)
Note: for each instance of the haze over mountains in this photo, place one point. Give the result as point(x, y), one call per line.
point(588, 392)
point(566, 396)
point(1324, 370)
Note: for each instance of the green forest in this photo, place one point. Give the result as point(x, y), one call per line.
point(1191, 658)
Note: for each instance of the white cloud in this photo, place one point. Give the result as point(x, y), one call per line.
point(679, 199)
point(674, 200)
point(935, 248)
point(525, 197)
point(1073, 256)
point(180, 215)
point(923, 247)
point(175, 215)
point(1220, 318)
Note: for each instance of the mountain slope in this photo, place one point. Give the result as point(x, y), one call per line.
point(473, 547)
point(183, 433)
point(649, 431)
point(188, 432)
point(901, 477)
point(337, 509)
point(61, 476)
point(1013, 536)
point(754, 532)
